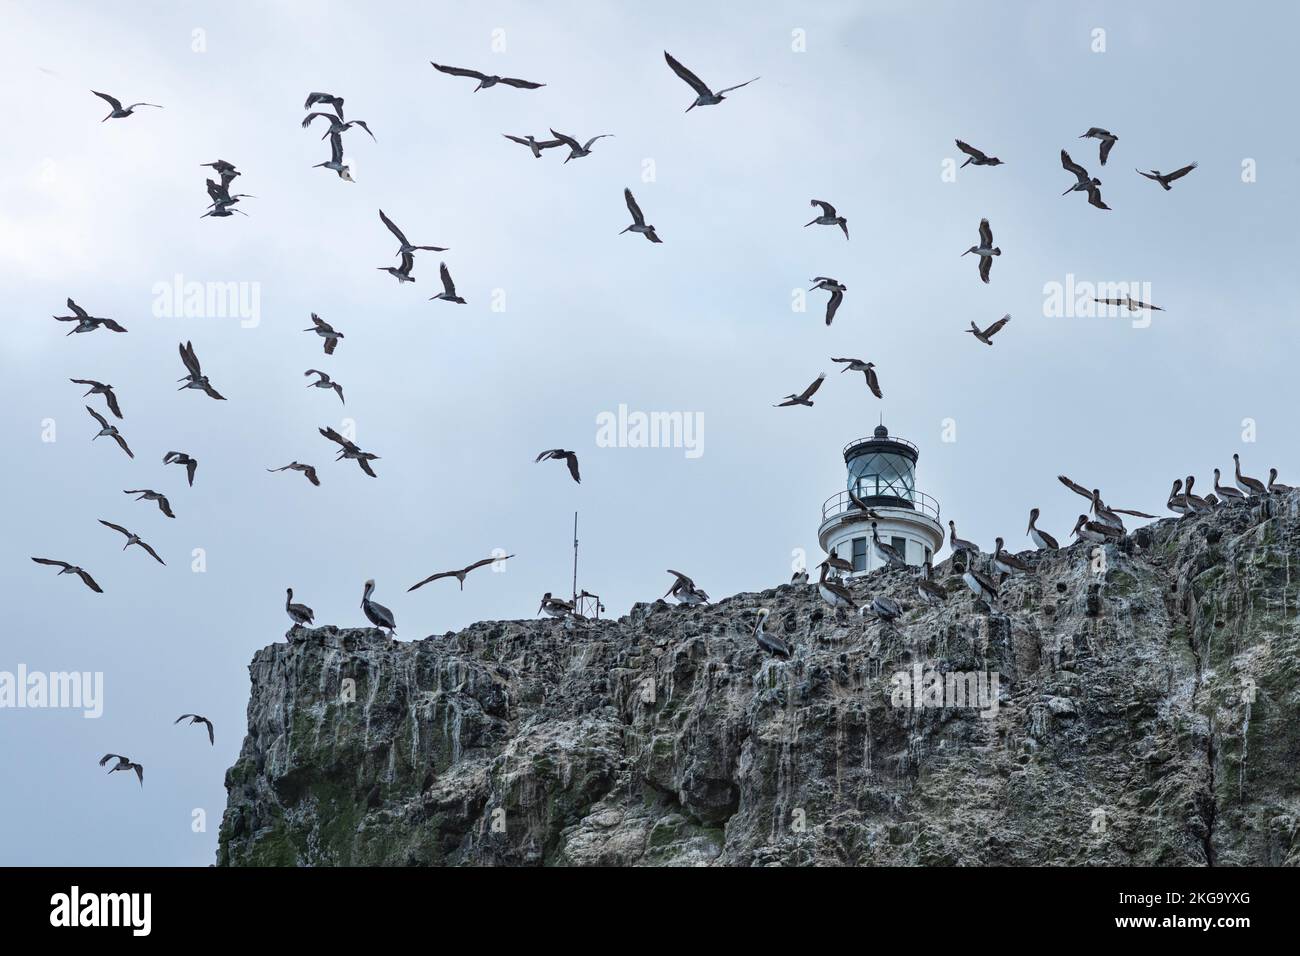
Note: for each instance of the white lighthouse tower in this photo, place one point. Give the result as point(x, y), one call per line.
point(882, 473)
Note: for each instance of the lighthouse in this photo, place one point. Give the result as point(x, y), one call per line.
point(882, 474)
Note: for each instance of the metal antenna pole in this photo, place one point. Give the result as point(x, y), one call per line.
point(575, 559)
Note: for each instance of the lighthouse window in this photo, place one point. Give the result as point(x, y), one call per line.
point(900, 545)
point(859, 554)
point(927, 556)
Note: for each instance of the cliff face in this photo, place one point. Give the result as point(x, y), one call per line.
point(1146, 705)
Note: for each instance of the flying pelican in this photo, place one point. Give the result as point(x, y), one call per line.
point(66, 568)
point(325, 331)
point(1251, 486)
point(99, 388)
point(535, 146)
point(448, 293)
point(221, 196)
point(703, 95)
point(1105, 515)
point(804, 397)
point(401, 273)
point(1228, 495)
point(1276, 487)
point(1164, 179)
point(1108, 140)
point(1086, 183)
point(857, 504)
point(638, 218)
point(196, 719)
point(336, 159)
point(828, 217)
point(327, 98)
point(975, 157)
point(986, 336)
point(868, 369)
point(196, 378)
point(555, 607)
point(377, 614)
point(336, 125)
point(123, 764)
point(146, 495)
point(484, 80)
point(180, 458)
point(886, 552)
point(406, 246)
point(985, 250)
point(324, 382)
point(119, 111)
point(85, 321)
point(107, 430)
point(569, 457)
point(132, 538)
point(225, 170)
point(1130, 303)
point(836, 288)
point(308, 470)
point(300, 614)
point(774, 646)
point(576, 151)
point(1041, 538)
point(685, 591)
point(459, 575)
point(350, 450)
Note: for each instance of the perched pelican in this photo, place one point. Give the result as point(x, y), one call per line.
point(122, 764)
point(886, 552)
point(1195, 503)
point(981, 585)
point(1089, 184)
point(828, 217)
point(119, 111)
point(1176, 503)
point(459, 575)
point(195, 378)
point(300, 614)
point(324, 382)
point(146, 495)
point(99, 388)
point(1251, 486)
point(884, 608)
point(704, 96)
point(576, 151)
point(535, 146)
point(857, 504)
point(1095, 531)
point(929, 592)
point(557, 454)
point(336, 125)
point(133, 538)
point(1227, 494)
point(109, 431)
point(348, 449)
point(868, 369)
point(308, 470)
point(555, 607)
point(1005, 561)
point(985, 250)
point(377, 614)
point(406, 246)
point(638, 218)
point(804, 397)
point(66, 568)
point(986, 335)
point(1212, 501)
point(800, 577)
point(401, 273)
point(484, 80)
point(448, 293)
point(774, 646)
point(836, 289)
point(1108, 140)
point(961, 544)
point(328, 98)
point(1041, 539)
point(1130, 303)
point(336, 159)
point(196, 719)
point(180, 458)
point(1276, 487)
point(975, 157)
point(833, 592)
point(836, 563)
point(325, 331)
point(85, 321)
point(685, 591)
point(1164, 179)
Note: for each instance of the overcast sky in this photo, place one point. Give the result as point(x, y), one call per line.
point(858, 104)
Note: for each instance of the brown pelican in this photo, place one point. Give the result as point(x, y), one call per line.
point(377, 614)
point(1251, 486)
point(195, 378)
point(327, 98)
point(122, 764)
point(401, 273)
point(1105, 515)
point(406, 246)
point(300, 614)
point(132, 538)
point(800, 577)
point(929, 592)
point(223, 210)
point(1108, 140)
point(638, 218)
point(1089, 184)
point(484, 80)
point(835, 288)
point(570, 458)
point(685, 591)
point(146, 495)
point(86, 322)
point(985, 250)
point(868, 369)
point(961, 544)
point(66, 568)
point(836, 563)
point(336, 125)
point(105, 429)
point(196, 719)
point(99, 388)
point(1130, 303)
point(448, 293)
point(981, 585)
point(1164, 179)
point(119, 111)
point(336, 159)
point(1227, 494)
point(459, 575)
point(1005, 561)
point(1095, 531)
point(1176, 503)
point(225, 170)
point(576, 151)
point(857, 504)
point(325, 331)
point(703, 95)
point(348, 449)
point(804, 397)
point(1195, 503)
point(774, 646)
point(308, 470)
point(535, 146)
point(1276, 487)
point(883, 608)
point(833, 592)
point(975, 157)
point(1041, 538)
point(324, 382)
point(828, 217)
point(986, 335)
point(555, 607)
point(886, 552)
point(222, 198)
point(180, 458)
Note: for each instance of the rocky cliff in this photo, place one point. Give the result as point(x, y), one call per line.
point(1143, 711)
